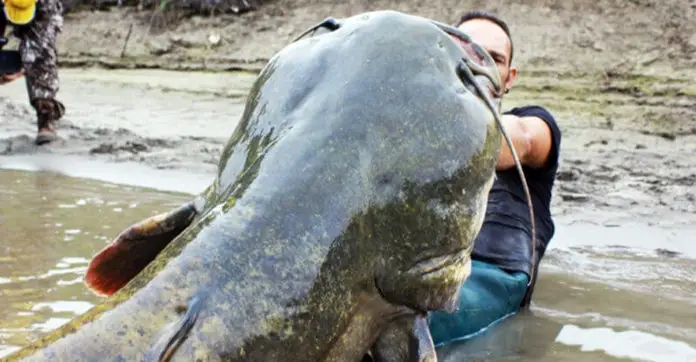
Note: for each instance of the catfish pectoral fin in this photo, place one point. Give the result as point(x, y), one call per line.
point(134, 248)
point(407, 339)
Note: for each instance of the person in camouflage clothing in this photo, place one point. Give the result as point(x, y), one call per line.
point(37, 23)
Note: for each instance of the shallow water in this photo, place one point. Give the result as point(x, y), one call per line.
point(604, 293)
point(622, 289)
point(50, 225)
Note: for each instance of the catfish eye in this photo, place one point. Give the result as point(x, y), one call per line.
point(326, 26)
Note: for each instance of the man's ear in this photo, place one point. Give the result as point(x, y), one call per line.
point(511, 78)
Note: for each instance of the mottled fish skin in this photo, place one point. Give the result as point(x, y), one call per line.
point(347, 198)
point(406, 339)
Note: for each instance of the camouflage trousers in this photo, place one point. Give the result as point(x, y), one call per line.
point(38, 48)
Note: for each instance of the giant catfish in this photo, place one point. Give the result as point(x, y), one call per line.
point(344, 209)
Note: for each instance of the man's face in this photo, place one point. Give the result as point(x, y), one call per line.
point(493, 38)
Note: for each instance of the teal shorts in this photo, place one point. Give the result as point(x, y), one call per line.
point(488, 296)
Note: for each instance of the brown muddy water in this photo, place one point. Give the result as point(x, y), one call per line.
point(50, 225)
point(138, 143)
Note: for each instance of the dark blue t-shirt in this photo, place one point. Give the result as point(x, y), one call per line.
point(505, 237)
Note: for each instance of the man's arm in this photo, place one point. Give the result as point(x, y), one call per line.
point(531, 137)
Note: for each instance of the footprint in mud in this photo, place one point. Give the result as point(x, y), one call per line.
point(16, 144)
point(571, 174)
point(76, 140)
point(133, 147)
point(574, 197)
point(667, 253)
point(602, 142)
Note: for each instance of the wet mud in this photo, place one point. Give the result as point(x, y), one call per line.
point(161, 119)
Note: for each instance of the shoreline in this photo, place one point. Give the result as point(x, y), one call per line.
point(105, 63)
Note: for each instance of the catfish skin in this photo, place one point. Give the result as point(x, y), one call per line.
point(348, 197)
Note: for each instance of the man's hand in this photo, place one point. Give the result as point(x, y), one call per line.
point(6, 78)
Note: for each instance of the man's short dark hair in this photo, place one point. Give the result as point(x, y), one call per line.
point(485, 15)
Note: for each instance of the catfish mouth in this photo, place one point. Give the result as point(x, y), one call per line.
point(440, 278)
point(430, 284)
point(440, 266)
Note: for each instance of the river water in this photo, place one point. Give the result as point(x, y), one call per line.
point(606, 292)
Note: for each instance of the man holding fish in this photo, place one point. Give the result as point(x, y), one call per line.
point(504, 265)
